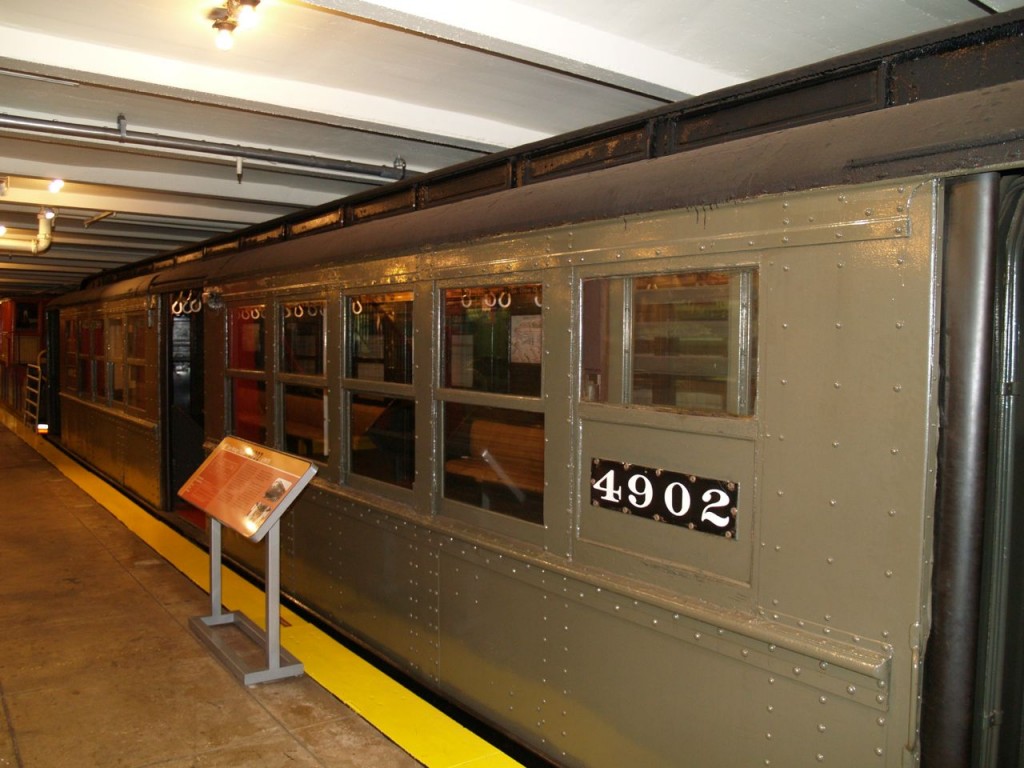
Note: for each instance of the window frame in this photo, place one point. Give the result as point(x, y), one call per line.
point(133, 362)
point(282, 380)
point(622, 350)
point(494, 521)
point(355, 386)
point(233, 373)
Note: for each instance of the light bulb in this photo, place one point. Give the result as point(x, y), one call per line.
point(224, 39)
point(247, 17)
point(224, 28)
point(56, 185)
point(3, 230)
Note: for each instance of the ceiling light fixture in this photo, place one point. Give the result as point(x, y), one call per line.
point(56, 185)
point(234, 14)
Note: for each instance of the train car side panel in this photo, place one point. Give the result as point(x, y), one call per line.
point(375, 573)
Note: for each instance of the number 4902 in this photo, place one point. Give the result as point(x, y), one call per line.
point(672, 497)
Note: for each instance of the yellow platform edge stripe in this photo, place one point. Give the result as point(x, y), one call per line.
point(427, 734)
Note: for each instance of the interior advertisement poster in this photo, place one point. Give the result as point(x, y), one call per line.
point(247, 486)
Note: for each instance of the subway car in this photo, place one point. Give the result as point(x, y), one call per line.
point(690, 439)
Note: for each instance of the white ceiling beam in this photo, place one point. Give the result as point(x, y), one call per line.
point(364, 109)
point(516, 30)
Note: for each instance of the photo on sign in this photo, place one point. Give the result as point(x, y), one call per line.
point(277, 489)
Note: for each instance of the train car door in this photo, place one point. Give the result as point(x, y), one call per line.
point(183, 393)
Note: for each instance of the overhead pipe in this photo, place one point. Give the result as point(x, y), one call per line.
point(37, 245)
point(122, 135)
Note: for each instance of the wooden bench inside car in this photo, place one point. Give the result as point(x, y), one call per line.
point(362, 417)
point(304, 418)
point(509, 455)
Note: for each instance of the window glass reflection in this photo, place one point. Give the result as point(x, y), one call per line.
point(249, 410)
point(136, 335)
point(245, 337)
point(115, 347)
point(493, 339)
point(135, 391)
point(494, 459)
point(305, 422)
point(302, 338)
point(382, 438)
point(692, 343)
point(380, 337)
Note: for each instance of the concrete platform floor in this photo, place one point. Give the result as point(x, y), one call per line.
point(98, 666)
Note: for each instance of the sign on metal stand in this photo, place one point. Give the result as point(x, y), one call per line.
point(247, 487)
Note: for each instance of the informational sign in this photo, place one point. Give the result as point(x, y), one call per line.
point(247, 486)
point(677, 498)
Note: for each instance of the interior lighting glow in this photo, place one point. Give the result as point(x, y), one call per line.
point(56, 185)
point(247, 17)
point(3, 230)
point(224, 39)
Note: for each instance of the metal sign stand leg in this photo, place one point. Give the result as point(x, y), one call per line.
point(280, 663)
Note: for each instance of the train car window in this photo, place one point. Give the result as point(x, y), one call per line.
point(135, 336)
point(249, 409)
point(246, 374)
point(245, 338)
point(115, 358)
point(300, 373)
point(99, 355)
point(380, 337)
point(493, 336)
point(382, 438)
point(70, 357)
point(690, 342)
point(494, 459)
point(302, 338)
point(84, 359)
point(135, 381)
point(381, 413)
point(135, 365)
point(92, 380)
point(305, 426)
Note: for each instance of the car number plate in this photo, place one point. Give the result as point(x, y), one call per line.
point(697, 503)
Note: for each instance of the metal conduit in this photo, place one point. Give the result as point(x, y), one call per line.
point(968, 289)
point(37, 245)
point(122, 135)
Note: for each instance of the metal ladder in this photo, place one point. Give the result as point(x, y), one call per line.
point(34, 380)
